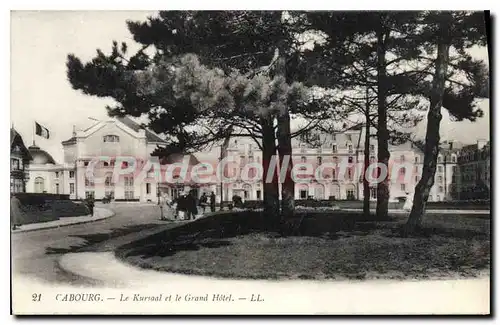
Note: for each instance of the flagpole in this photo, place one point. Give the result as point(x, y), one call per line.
point(34, 131)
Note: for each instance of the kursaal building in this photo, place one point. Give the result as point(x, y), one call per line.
point(122, 137)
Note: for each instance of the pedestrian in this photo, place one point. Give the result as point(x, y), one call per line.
point(203, 202)
point(182, 206)
point(16, 212)
point(192, 210)
point(212, 202)
point(408, 202)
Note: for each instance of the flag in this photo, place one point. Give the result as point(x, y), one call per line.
point(42, 131)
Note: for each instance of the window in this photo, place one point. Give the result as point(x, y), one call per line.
point(88, 182)
point(350, 194)
point(440, 168)
point(303, 159)
point(111, 138)
point(416, 159)
point(402, 171)
point(320, 160)
point(349, 174)
point(417, 178)
point(440, 179)
point(403, 187)
point(453, 159)
point(71, 174)
point(372, 147)
point(335, 159)
point(129, 195)
point(349, 137)
point(350, 160)
point(124, 164)
point(129, 181)
point(303, 194)
point(57, 174)
point(109, 180)
point(440, 159)
point(258, 194)
point(148, 188)
point(334, 175)
point(39, 185)
point(16, 185)
point(14, 164)
point(334, 148)
point(372, 159)
point(416, 169)
point(402, 158)
point(350, 147)
point(334, 137)
point(110, 194)
point(89, 194)
point(438, 197)
point(441, 189)
point(242, 160)
point(373, 192)
point(106, 164)
point(71, 188)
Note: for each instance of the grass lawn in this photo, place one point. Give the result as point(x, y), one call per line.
point(332, 245)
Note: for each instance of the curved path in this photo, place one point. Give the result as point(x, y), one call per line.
point(35, 253)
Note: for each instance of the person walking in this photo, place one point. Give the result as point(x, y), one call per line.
point(408, 202)
point(203, 202)
point(16, 212)
point(182, 206)
point(192, 210)
point(212, 202)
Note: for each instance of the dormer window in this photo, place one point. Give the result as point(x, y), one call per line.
point(111, 138)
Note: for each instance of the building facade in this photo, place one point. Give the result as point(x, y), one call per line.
point(20, 158)
point(337, 158)
point(474, 166)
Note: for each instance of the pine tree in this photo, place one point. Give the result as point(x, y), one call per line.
point(372, 50)
point(451, 34)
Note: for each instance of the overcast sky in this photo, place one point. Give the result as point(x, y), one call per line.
point(40, 43)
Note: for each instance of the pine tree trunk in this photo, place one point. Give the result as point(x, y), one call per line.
point(383, 154)
point(366, 185)
point(285, 145)
point(271, 191)
point(285, 149)
point(432, 138)
point(223, 154)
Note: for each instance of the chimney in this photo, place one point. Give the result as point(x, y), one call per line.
point(451, 145)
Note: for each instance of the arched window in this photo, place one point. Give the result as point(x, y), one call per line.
point(39, 185)
point(111, 138)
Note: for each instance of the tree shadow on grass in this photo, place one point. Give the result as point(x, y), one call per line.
point(215, 231)
point(92, 239)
